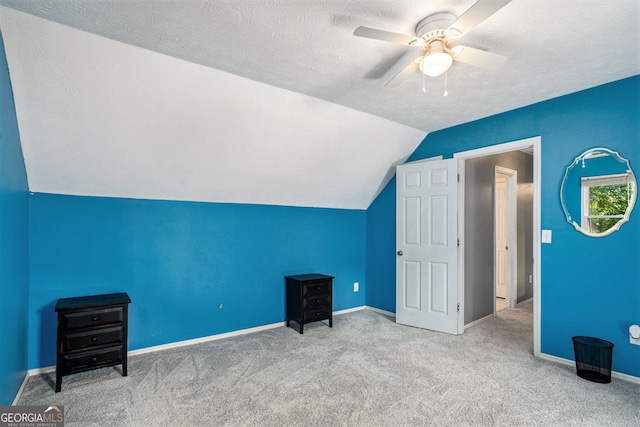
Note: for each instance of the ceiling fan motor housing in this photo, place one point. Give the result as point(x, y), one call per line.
point(435, 26)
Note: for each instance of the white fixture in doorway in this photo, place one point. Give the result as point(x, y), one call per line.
point(505, 235)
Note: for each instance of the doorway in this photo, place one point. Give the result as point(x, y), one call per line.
point(470, 232)
point(416, 277)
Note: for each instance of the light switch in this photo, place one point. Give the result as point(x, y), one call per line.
point(546, 236)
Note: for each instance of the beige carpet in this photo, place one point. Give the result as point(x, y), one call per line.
point(366, 371)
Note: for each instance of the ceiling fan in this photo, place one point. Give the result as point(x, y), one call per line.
point(436, 36)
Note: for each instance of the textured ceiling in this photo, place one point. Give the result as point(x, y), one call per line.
point(213, 69)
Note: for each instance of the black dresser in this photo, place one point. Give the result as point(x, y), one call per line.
point(92, 334)
point(309, 299)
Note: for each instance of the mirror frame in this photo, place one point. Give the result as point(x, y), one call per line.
point(632, 201)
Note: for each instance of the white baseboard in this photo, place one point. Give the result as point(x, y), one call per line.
point(224, 335)
point(490, 316)
point(614, 374)
point(349, 310)
point(21, 389)
point(43, 370)
point(216, 337)
point(378, 310)
point(524, 302)
point(480, 320)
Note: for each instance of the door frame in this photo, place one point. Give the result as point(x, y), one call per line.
point(511, 296)
point(535, 144)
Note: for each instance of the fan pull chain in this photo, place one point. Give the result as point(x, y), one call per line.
point(424, 87)
point(446, 93)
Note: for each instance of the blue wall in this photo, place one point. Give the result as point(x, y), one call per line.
point(590, 286)
point(14, 275)
point(381, 250)
point(179, 261)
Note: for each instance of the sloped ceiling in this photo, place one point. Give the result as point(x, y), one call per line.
point(273, 101)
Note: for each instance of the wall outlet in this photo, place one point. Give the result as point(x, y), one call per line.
point(634, 334)
point(356, 286)
point(546, 236)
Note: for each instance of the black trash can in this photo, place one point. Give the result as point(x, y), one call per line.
point(593, 358)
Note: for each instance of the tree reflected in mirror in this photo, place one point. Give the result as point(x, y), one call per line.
point(607, 206)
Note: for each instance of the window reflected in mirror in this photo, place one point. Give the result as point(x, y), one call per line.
point(598, 192)
point(605, 200)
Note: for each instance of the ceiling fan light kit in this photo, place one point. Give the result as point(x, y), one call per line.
point(437, 60)
point(436, 35)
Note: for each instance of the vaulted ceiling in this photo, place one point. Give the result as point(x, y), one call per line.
point(274, 101)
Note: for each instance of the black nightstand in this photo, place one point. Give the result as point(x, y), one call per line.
point(309, 299)
point(92, 334)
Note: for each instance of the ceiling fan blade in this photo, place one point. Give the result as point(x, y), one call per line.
point(477, 13)
point(480, 58)
point(386, 36)
point(404, 73)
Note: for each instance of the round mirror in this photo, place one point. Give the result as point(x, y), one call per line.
point(598, 192)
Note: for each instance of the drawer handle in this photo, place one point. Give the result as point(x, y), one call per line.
point(317, 300)
point(94, 339)
point(94, 319)
point(317, 314)
point(94, 359)
point(317, 288)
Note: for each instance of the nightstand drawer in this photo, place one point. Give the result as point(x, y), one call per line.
point(90, 359)
point(319, 314)
point(316, 301)
point(316, 288)
point(95, 337)
point(93, 318)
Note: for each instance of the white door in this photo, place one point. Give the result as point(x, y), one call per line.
point(426, 245)
point(506, 234)
point(501, 236)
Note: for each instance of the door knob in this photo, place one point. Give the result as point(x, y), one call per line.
point(400, 253)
